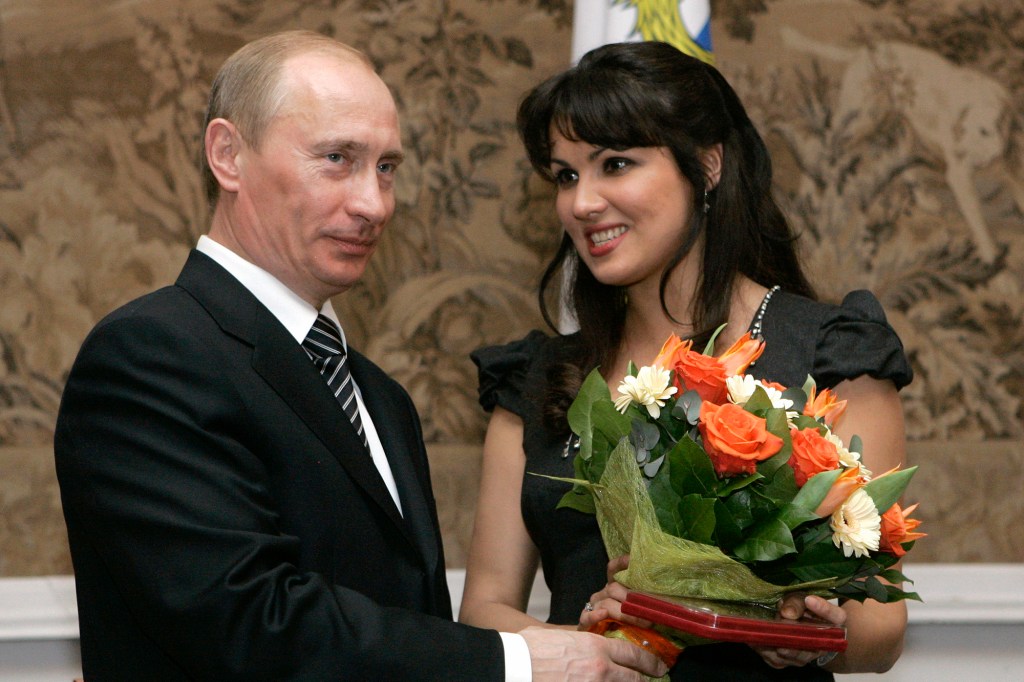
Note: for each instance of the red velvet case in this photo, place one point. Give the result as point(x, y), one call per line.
point(731, 622)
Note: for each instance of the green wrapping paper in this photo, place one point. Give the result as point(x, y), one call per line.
point(664, 564)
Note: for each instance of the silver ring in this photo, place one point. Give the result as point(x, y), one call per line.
point(588, 607)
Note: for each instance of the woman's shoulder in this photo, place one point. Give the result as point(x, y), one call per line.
point(834, 342)
point(509, 372)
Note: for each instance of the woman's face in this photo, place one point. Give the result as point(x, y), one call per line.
point(626, 212)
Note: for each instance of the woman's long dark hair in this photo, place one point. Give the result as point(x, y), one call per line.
point(649, 94)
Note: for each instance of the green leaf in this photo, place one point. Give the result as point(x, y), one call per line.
point(690, 469)
point(767, 542)
point(740, 508)
point(592, 415)
point(779, 485)
point(709, 349)
point(737, 483)
point(758, 402)
point(821, 561)
point(793, 515)
point(697, 518)
point(798, 396)
point(814, 491)
point(665, 499)
point(580, 501)
point(804, 422)
point(894, 576)
point(727, 532)
point(886, 490)
point(876, 590)
point(856, 445)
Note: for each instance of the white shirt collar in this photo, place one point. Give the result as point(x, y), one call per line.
point(289, 308)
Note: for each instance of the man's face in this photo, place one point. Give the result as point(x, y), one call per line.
point(313, 201)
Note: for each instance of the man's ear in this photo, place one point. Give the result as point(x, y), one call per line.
point(222, 147)
point(711, 159)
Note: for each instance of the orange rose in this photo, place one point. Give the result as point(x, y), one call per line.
point(851, 479)
point(705, 374)
point(735, 439)
point(897, 529)
point(701, 373)
point(812, 454)
point(824, 405)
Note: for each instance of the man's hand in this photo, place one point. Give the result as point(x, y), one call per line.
point(563, 655)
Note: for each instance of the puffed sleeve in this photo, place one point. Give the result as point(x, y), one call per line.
point(503, 372)
point(855, 339)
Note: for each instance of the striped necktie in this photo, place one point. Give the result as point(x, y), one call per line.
point(324, 347)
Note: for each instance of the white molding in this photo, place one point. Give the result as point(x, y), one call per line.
point(38, 608)
point(981, 594)
point(966, 593)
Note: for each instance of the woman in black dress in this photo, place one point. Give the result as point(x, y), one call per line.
point(664, 193)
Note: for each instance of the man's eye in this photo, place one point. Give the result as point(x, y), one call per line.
point(335, 157)
point(565, 177)
point(387, 168)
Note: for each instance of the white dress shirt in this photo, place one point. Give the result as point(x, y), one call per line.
point(298, 316)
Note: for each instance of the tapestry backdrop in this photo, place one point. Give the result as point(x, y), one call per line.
point(895, 126)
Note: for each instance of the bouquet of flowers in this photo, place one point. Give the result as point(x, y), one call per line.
point(724, 487)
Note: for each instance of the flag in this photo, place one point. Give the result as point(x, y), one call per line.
point(683, 23)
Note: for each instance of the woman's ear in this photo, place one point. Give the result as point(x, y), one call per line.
point(711, 159)
point(222, 147)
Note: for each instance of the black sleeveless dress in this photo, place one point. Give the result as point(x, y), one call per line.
point(832, 343)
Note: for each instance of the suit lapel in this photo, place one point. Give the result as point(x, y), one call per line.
point(395, 426)
point(286, 368)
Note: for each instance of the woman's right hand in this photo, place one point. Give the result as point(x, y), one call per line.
point(607, 602)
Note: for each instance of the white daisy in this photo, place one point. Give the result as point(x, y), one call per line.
point(650, 388)
point(846, 458)
point(856, 525)
point(742, 386)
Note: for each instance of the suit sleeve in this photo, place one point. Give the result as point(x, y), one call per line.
point(172, 522)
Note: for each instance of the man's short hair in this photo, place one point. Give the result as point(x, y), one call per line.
point(248, 89)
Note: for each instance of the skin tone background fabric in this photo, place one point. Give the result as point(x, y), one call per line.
point(895, 128)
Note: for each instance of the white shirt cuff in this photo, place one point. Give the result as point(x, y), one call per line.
point(517, 658)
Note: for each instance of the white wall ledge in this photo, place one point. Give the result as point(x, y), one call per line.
point(44, 608)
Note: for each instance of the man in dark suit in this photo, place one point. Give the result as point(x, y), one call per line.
point(228, 517)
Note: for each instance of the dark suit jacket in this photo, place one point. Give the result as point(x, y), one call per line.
point(224, 520)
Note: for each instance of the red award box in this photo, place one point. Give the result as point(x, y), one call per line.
point(731, 622)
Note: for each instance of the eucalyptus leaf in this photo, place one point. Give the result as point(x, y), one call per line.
point(856, 445)
point(652, 467)
point(797, 395)
point(687, 407)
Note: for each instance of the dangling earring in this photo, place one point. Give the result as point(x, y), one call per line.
point(707, 206)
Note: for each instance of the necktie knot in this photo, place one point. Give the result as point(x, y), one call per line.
point(324, 347)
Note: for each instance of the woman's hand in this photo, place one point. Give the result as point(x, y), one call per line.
point(607, 603)
point(793, 607)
